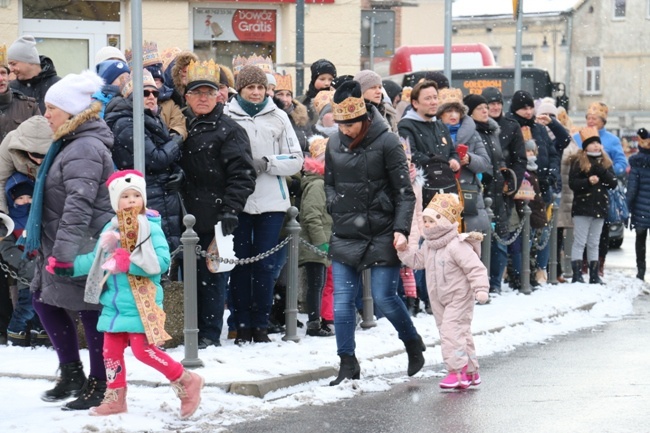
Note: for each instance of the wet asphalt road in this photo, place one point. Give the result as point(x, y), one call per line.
point(592, 381)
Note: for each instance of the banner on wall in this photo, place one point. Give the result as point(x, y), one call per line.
point(221, 24)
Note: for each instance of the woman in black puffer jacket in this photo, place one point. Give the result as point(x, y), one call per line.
point(162, 150)
point(371, 201)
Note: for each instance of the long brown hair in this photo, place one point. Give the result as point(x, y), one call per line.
point(365, 126)
point(585, 163)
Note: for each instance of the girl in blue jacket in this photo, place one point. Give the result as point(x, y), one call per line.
point(124, 276)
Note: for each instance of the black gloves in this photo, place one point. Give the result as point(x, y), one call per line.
point(178, 139)
point(229, 223)
point(175, 182)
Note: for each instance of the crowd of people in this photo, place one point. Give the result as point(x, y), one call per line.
point(363, 159)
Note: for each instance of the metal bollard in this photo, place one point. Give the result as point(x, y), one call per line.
point(568, 245)
point(525, 252)
point(368, 316)
point(486, 245)
point(552, 263)
point(190, 240)
point(291, 306)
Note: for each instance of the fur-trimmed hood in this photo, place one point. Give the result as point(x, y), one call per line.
point(182, 60)
point(76, 127)
point(299, 114)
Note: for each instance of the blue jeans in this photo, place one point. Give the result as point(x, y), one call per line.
point(498, 262)
point(347, 282)
point(544, 254)
point(211, 295)
point(23, 313)
point(251, 285)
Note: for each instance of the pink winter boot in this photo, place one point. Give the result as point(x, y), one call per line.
point(114, 402)
point(454, 379)
point(188, 389)
point(473, 378)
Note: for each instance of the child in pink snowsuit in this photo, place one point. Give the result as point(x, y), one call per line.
point(455, 277)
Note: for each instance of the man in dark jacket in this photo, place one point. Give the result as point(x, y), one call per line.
point(34, 74)
point(15, 107)
point(514, 156)
point(220, 176)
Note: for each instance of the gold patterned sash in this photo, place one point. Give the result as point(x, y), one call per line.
point(144, 290)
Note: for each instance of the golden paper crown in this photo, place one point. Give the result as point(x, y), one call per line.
point(446, 205)
point(150, 55)
point(147, 81)
point(317, 146)
point(349, 109)
point(406, 93)
point(283, 82)
point(168, 55)
point(322, 98)
point(450, 96)
point(599, 109)
point(203, 71)
point(3, 55)
point(264, 63)
point(589, 134)
point(527, 133)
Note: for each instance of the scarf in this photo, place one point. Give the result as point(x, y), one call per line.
point(251, 108)
point(453, 130)
point(595, 154)
point(439, 236)
point(524, 122)
point(31, 238)
point(483, 126)
point(530, 165)
point(19, 213)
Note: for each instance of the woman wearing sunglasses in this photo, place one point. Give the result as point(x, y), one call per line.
point(162, 151)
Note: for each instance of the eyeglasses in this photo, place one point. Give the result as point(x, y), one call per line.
point(155, 93)
point(207, 93)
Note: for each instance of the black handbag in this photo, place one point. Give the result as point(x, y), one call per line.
point(470, 194)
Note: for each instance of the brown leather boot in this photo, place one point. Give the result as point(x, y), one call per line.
point(114, 402)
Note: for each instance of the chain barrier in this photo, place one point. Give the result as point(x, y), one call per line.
point(547, 229)
point(514, 237)
point(313, 248)
point(14, 275)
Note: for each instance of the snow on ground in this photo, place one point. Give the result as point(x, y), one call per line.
point(508, 321)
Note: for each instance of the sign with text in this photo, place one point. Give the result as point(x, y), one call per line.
point(219, 24)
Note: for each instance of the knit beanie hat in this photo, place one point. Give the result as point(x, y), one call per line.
point(643, 133)
point(447, 205)
point(320, 67)
point(73, 93)
point(546, 106)
point(24, 50)
point(109, 53)
point(23, 188)
point(392, 89)
point(156, 71)
point(521, 99)
point(440, 79)
point(340, 80)
point(348, 105)
point(250, 75)
point(472, 101)
point(492, 94)
point(367, 79)
point(122, 180)
point(270, 78)
point(109, 70)
point(147, 81)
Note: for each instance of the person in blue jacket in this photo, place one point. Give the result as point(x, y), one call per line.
point(638, 198)
point(124, 276)
point(597, 118)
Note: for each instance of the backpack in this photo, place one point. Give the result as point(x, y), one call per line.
point(439, 178)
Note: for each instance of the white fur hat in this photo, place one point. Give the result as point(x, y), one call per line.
point(73, 93)
point(107, 53)
point(122, 180)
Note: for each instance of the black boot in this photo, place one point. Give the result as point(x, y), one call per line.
point(576, 265)
point(68, 384)
point(414, 349)
point(594, 278)
point(260, 335)
point(349, 369)
point(91, 395)
point(244, 335)
point(640, 271)
point(315, 329)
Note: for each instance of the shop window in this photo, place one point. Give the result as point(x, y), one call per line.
point(619, 9)
point(223, 33)
point(71, 10)
point(592, 79)
point(527, 60)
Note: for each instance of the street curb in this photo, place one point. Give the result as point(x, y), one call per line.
point(260, 388)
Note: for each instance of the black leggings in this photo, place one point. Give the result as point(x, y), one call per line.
point(639, 246)
point(316, 274)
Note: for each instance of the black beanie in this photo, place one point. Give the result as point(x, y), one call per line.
point(472, 101)
point(320, 67)
point(643, 133)
point(392, 89)
point(156, 71)
point(439, 78)
point(521, 99)
point(492, 94)
point(23, 188)
point(340, 80)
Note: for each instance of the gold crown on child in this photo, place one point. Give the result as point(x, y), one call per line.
point(150, 55)
point(264, 63)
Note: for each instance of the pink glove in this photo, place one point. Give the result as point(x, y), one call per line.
point(109, 240)
point(413, 172)
point(482, 297)
point(119, 262)
point(408, 281)
point(62, 269)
